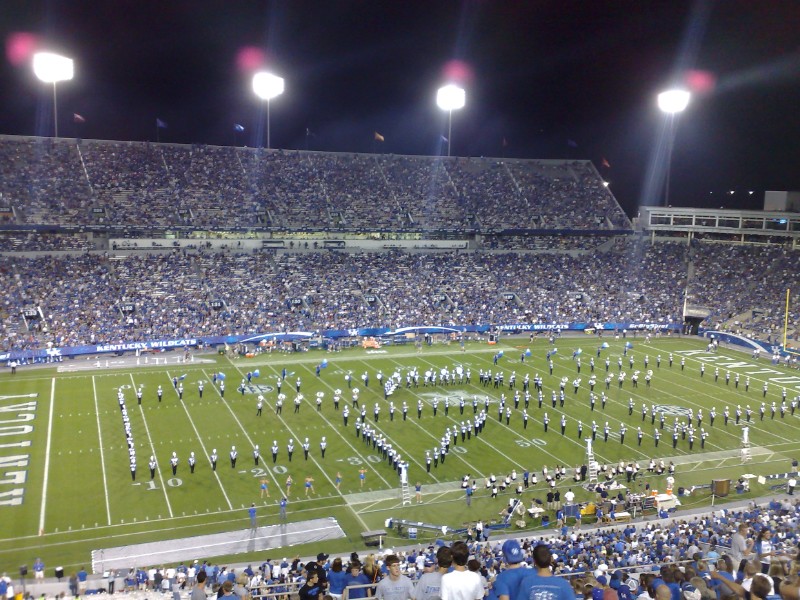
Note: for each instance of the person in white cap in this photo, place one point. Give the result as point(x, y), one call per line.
point(234, 454)
point(322, 446)
point(174, 462)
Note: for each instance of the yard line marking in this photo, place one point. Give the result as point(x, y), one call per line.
point(714, 385)
point(153, 449)
point(439, 440)
point(336, 429)
point(686, 399)
point(239, 423)
point(47, 454)
point(598, 456)
point(458, 432)
point(538, 448)
point(102, 454)
point(374, 426)
point(324, 471)
point(200, 439)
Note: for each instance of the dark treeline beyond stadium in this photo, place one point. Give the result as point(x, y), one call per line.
point(471, 242)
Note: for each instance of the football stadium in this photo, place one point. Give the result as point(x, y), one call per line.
point(291, 369)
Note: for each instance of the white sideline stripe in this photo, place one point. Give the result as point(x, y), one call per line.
point(102, 454)
point(225, 543)
point(47, 454)
point(153, 449)
point(200, 439)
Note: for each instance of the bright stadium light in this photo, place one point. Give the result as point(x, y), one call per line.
point(450, 98)
point(52, 68)
point(672, 103)
point(267, 86)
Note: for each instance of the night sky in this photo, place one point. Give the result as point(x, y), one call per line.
point(544, 76)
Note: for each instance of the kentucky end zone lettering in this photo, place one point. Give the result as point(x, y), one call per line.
point(14, 419)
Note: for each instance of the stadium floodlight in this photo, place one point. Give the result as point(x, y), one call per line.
point(450, 98)
point(52, 68)
point(267, 86)
point(672, 103)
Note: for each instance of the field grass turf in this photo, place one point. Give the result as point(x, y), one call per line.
point(76, 440)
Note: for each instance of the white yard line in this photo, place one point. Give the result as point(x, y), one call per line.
point(153, 450)
point(102, 454)
point(47, 455)
point(246, 435)
point(313, 459)
point(341, 436)
point(200, 439)
point(438, 440)
point(472, 467)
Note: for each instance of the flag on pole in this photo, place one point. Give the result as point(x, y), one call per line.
point(238, 127)
point(505, 143)
point(379, 137)
point(256, 373)
point(445, 140)
point(182, 377)
point(572, 143)
point(160, 124)
point(605, 163)
point(78, 118)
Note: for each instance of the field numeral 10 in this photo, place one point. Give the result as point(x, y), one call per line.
point(173, 482)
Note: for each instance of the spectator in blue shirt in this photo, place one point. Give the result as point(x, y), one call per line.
point(356, 577)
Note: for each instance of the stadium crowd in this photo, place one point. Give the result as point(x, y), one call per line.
point(511, 278)
point(129, 183)
point(80, 296)
point(749, 552)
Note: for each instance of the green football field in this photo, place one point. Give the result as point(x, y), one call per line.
point(66, 487)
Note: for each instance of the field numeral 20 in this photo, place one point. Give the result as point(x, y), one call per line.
point(277, 469)
point(531, 442)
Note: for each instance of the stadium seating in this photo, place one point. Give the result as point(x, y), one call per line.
point(68, 195)
point(69, 183)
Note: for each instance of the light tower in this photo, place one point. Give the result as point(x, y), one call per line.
point(672, 103)
point(52, 68)
point(267, 86)
point(450, 98)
